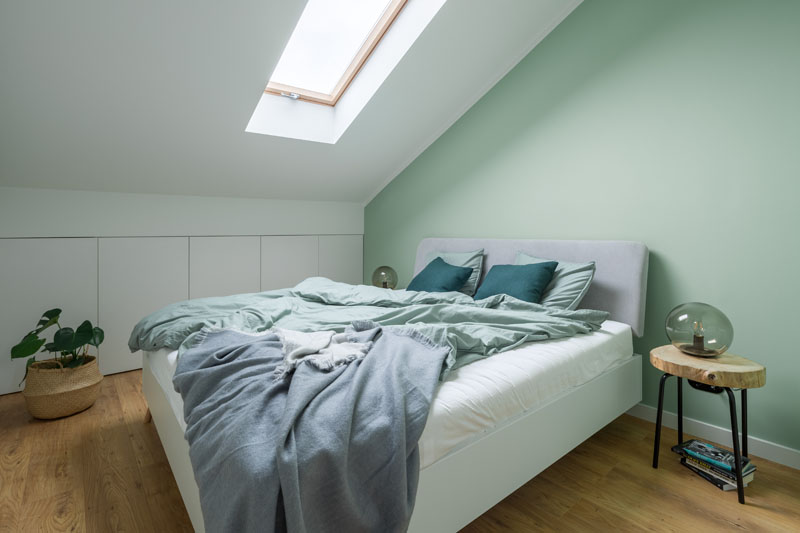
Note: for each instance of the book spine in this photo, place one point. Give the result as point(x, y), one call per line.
point(728, 475)
point(709, 460)
point(705, 468)
point(727, 464)
point(711, 479)
point(747, 467)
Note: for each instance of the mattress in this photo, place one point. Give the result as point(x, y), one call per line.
point(489, 393)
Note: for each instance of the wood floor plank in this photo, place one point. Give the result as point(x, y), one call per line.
point(113, 481)
point(105, 470)
point(146, 445)
point(157, 479)
point(618, 489)
point(85, 472)
point(15, 458)
point(62, 512)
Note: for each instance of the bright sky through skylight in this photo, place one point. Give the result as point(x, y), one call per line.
point(325, 42)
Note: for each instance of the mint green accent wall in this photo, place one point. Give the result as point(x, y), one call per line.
point(673, 123)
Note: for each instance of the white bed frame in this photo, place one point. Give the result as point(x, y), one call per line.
point(468, 481)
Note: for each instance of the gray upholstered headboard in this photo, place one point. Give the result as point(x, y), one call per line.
point(620, 282)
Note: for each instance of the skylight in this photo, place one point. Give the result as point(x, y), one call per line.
point(330, 43)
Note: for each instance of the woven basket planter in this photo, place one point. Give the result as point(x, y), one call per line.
point(52, 391)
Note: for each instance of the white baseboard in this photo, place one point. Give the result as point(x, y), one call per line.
point(758, 447)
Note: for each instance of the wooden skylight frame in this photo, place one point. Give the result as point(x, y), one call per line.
point(372, 40)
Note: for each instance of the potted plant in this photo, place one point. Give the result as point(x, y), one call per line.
point(67, 383)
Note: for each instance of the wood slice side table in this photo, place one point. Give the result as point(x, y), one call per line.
point(710, 374)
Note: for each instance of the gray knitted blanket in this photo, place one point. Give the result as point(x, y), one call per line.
point(317, 450)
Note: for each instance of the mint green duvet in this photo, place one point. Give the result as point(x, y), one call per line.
point(471, 329)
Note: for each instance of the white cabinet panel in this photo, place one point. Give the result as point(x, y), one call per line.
point(341, 258)
point(221, 266)
point(114, 282)
point(37, 275)
point(286, 261)
point(138, 275)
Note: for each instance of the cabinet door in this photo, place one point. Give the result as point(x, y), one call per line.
point(37, 275)
point(138, 275)
point(221, 266)
point(341, 258)
point(288, 260)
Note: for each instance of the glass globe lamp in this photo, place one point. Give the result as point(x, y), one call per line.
point(699, 329)
point(385, 277)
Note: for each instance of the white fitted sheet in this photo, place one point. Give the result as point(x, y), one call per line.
point(487, 394)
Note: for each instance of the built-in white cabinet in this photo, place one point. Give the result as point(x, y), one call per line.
point(115, 281)
point(138, 275)
point(288, 260)
point(341, 258)
point(37, 275)
point(220, 266)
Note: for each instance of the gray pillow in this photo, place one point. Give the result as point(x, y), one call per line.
point(569, 285)
point(473, 260)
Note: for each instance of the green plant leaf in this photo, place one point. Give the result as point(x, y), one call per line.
point(27, 366)
point(27, 347)
point(48, 319)
point(98, 335)
point(63, 340)
point(52, 313)
point(83, 335)
point(50, 347)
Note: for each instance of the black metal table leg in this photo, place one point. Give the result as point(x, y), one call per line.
point(736, 454)
point(680, 410)
point(657, 443)
point(744, 422)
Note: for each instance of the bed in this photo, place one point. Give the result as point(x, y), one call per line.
point(498, 422)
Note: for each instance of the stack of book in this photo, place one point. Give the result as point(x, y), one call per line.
point(715, 465)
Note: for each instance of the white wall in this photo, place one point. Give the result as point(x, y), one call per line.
point(37, 275)
point(55, 213)
point(113, 258)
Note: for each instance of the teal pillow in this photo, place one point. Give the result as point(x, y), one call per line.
point(526, 282)
point(569, 285)
point(473, 260)
point(440, 276)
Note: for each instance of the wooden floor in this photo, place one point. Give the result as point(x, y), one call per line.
point(104, 470)
point(608, 484)
point(100, 470)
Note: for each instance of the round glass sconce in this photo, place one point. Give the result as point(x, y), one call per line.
point(385, 277)
point(699, 329)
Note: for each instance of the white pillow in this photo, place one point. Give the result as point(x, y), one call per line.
point(569, 285)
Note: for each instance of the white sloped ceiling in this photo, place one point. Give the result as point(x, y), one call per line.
point(154, 97)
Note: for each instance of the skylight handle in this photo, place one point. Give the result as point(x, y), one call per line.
point(293, 96)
